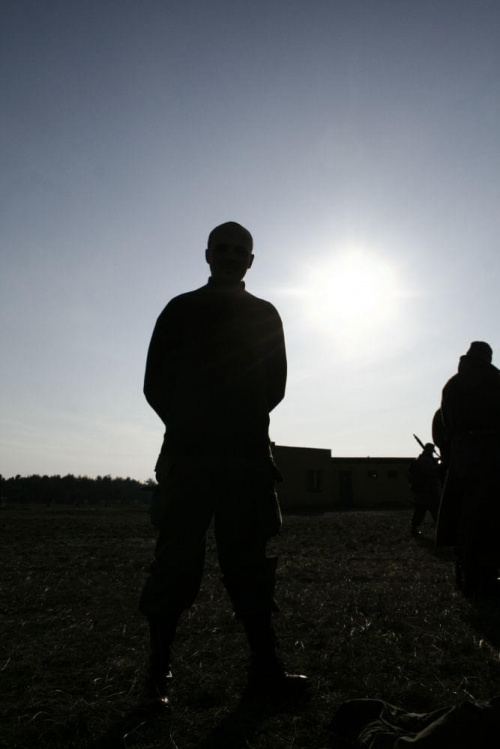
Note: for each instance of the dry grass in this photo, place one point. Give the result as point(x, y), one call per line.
point(366, 612)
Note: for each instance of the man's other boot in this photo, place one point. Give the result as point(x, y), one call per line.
point(267, 674)
point(159, 675)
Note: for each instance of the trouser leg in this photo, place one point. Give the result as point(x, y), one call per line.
point(175, 576)
point(469, 543)
point(179, 558)
point(249, 575)
point(250, 579)
point(161, 636)
point(418, 517)
point(484, 525)
point(241, 536)
point(251, 591)
point(170, 589)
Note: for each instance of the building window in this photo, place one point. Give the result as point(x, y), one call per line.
point(314, 481)
point(392, 474)
point(372, 474)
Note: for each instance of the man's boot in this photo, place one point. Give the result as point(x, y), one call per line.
point(159, 676)
point(267, 674)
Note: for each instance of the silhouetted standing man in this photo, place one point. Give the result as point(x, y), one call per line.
point(216, 367)
point(469, 515)
point(426, 485)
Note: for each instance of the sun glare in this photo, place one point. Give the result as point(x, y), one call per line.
point(351, 297)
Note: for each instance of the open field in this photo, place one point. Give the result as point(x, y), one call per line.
point(366, 612)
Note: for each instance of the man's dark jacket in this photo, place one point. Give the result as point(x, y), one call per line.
point(216, 367)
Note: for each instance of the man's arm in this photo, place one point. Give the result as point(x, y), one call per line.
point(447, 408)
point(276, 364)
point(162, 362)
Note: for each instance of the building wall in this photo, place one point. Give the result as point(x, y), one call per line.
point(307, 476)
point(368, 482)
point(313, 479)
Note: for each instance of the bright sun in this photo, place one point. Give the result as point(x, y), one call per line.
point(352, 296)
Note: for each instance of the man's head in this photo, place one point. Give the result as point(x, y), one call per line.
point(429, 448)
point(481, 350)
point(229, 252)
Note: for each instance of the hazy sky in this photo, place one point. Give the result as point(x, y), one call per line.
point(358, 140)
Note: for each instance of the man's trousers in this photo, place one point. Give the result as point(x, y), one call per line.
point(242, 502)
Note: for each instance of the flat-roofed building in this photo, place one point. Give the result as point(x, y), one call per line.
point(371, 482)
point(307, 477)
point(313, 479)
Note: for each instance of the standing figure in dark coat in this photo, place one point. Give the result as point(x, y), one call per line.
point(425, 484)
point(216, 367)
point(469, 516)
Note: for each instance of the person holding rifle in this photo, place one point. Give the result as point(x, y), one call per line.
point(424, 478)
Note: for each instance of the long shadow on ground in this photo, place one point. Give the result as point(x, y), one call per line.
point(239, 727)
point(133, 727)
point(234, 732)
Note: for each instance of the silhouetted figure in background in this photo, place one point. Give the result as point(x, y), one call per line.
point(216, 367)
point(425, 484)
point(469, 516)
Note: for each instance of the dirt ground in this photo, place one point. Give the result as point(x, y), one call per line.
point(366, 611)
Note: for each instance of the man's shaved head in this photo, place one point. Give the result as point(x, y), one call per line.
point(234, 229)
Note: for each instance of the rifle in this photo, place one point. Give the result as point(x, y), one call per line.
point(419, 442)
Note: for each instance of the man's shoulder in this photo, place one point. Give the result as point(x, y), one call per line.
point(187, 296)
point(451, 381)
point(183, 300)
point(206, 294)
point(189, 301)
point(260, 303)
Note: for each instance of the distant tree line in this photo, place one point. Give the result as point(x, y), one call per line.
point(74, 490)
